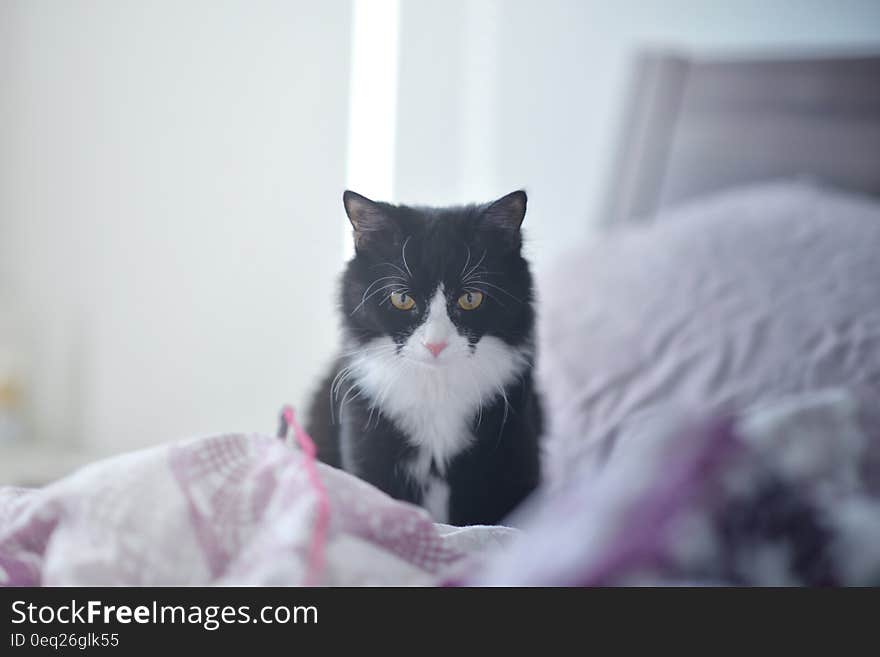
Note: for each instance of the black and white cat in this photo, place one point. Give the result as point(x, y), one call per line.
point(432, 398)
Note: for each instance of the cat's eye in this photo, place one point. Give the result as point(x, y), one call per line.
point(402, 301)
point(470, 300)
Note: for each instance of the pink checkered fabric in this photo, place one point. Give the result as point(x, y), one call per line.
point(231, 509)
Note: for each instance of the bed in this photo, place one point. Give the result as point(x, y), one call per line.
point(719, 424)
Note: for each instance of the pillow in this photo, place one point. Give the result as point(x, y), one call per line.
point(758, 292)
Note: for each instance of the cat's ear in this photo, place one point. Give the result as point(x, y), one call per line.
point(368, 218)
point(505, 216)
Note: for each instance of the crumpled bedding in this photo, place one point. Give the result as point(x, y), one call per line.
point(733, 299)
point(223, 510)
point(783, 493)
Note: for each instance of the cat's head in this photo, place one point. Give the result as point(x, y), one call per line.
point(434, 285)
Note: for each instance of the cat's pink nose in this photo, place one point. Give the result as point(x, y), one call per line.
point(435, 347)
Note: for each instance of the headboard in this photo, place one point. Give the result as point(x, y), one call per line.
point(695, 126)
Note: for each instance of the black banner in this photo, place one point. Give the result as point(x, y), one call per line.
point(123, 620)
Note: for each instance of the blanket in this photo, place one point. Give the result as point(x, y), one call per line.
point(786, 492)
point(231, 509)
point(783, 493)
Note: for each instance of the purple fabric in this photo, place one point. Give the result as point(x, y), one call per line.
point(759, 292)
point(641, 540)
point(775, 495)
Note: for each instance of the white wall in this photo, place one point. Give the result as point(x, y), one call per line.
point(499, 94)
point(170, 210)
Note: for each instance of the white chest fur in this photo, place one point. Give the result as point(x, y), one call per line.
point(434, 404)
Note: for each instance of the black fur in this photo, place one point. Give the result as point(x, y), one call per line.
point(501, 467)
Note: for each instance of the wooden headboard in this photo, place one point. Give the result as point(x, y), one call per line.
point(695, 126)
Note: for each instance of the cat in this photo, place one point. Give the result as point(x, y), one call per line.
point(432, 398)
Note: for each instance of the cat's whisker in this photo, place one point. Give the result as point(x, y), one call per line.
point(379, 280)
point(503, 394)
point(379, 400)
point(403, 254)
point(345, 398)
point(356, 349)
point(369, 350)
point(479, 262)
point(389, 264)
point(466, 262)
point(481, 272)
point(499, 288)
point(400, 288)
point(336, 378)
point(338, 381)
point(382, 398)
point(474, 273)
point(346, 375)
point(486, 292)
point(334, 391)
point(349, 371)
point(394, 287)
point(382, 278)
point(481, 400)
